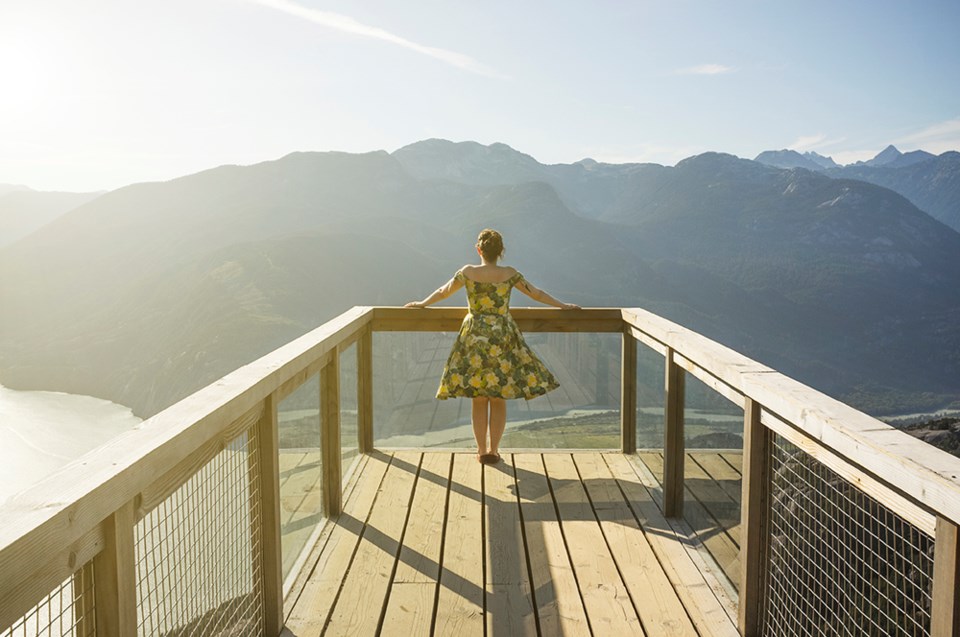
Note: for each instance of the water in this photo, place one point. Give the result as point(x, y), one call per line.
point(41, 431)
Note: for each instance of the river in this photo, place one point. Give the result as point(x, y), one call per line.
point(41, 431)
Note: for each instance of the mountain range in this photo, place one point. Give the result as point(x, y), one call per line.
point(931, 182)
point(23, 210)
point(146, 293)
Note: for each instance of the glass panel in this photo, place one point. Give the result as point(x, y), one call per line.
point(584, 412)
point(713, 437)
point(349, 445)
point(650, 407)
point(301, 501)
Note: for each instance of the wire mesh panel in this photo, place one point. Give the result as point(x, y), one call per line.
point(840, 562)
point(198, 567)
point(70, 609)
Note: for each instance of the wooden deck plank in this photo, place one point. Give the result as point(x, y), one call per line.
point(420, 555)
point(364, 590)
point(410, 608)
point(735, 460)
point(706, 611)
point(461, 599)
point(608, 605)
point(509, 607)
point(663, 613)
point(559, 606)
point(310, 611)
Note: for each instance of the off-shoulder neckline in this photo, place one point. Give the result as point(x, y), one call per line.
point(507, 280)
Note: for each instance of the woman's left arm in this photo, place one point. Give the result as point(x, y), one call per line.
point(539, 295)
point(439, 294)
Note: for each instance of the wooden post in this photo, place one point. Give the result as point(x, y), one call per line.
point(753, 519)
point(270, 584)
point(673, 448)
point(330, 435)
point(115, 576)
point(628, 394)
point(946, 581)
point(365, 391)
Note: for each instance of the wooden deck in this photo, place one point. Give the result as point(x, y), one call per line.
point(541, 544)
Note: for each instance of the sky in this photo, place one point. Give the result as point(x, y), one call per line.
point(98, 94)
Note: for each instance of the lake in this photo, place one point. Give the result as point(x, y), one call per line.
point(41, 431)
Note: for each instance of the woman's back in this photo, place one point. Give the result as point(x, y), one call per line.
point(488, 273)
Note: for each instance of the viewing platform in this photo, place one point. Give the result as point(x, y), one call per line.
point(671, 486)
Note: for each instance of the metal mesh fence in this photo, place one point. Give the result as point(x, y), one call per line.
point(198, 566)
point(68, 610)
point(840, 562)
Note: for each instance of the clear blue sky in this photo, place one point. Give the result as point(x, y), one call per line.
point(101, 93)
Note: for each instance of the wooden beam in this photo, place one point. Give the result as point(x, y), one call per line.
point(946, 581)
point(530, 319)
point(115, 582)
point(753, 519)
point(646, 339)
point(673, 447)
point(270, 584)
point(365, 392)
point(628, 394)
point(330, 436)
point(710, 380)
point(296, 381)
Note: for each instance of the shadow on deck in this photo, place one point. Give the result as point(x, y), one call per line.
point(540, 544)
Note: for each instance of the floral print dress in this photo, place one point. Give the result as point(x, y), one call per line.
point(489, 356)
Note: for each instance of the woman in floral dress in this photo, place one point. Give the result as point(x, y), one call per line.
point(490, 361)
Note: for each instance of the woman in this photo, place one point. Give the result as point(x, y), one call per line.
point(490, 361)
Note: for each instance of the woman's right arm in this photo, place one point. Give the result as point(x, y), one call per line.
point(439, 294)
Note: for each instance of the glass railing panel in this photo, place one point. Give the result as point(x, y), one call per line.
point(582, 413)
point(301, 502)
point(713, 440)
point(349, 444)
point(650, 407)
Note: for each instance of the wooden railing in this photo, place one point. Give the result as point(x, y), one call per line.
point(81, 524)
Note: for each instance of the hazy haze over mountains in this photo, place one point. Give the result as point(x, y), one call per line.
point(147, 293)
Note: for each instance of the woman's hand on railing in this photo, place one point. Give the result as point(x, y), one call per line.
point(570, 306)
point(417, 304)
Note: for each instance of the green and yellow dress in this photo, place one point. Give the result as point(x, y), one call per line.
point(489, 357)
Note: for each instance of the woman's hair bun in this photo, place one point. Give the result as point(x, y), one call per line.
point(490, 243)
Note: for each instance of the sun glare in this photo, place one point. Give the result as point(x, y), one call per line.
point(28, 70)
